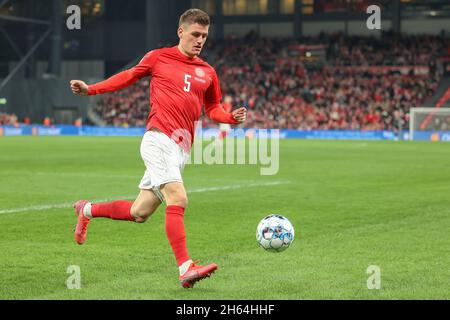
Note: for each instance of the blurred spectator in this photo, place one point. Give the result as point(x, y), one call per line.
point(78, 122)
point(8, 119)
point(47, 122)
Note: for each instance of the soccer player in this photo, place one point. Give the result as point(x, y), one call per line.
point(181, 84)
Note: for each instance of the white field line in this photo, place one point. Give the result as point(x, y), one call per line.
point(97, 175)
point(74, 174)
point(199, 190)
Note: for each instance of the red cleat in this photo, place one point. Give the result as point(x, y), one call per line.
point(196, 273)
point(83, 222)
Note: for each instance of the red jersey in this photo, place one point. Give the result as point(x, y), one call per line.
point(180, 86)
point(227, 107)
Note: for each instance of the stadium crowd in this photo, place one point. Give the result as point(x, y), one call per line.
point(125, 108)
point(324, 82)
point(8, 119)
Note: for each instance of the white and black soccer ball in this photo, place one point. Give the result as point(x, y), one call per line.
point(275, 233)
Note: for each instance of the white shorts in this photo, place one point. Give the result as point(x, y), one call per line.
point(164, 160)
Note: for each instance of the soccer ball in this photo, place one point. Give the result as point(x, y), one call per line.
point(275, 233)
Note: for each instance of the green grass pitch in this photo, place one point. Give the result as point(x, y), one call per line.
point(353, 203)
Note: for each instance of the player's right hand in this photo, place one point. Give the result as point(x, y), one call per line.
point(79, 87)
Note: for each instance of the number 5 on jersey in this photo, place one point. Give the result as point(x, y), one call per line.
point(187, 87)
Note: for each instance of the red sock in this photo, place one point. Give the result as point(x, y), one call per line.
point(116, 210)
point(176, 234)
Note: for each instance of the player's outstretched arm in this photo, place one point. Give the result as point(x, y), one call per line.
point(115, 83)
point(119, 81)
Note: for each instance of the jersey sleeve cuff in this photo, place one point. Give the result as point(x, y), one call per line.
point(91, 91)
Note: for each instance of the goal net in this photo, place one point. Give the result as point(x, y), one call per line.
point(429, 124)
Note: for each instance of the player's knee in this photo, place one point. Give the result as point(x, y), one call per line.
point(141, 219)
point(180, 200)
point(183, 202)
point(141, 215)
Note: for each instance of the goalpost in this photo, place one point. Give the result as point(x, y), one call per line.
point(429, 124)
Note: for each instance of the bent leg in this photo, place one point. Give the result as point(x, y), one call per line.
point(139, 211)
point(145, 205)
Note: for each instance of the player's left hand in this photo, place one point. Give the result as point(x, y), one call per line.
point(240, 115)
